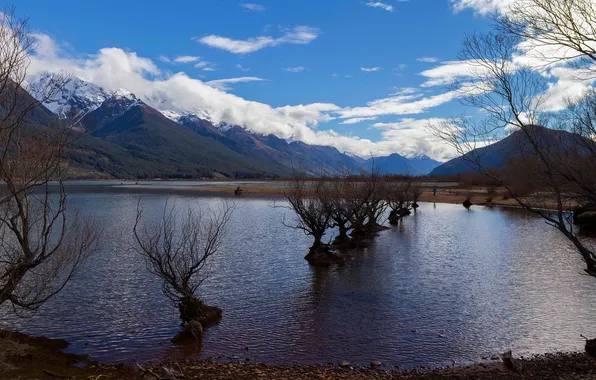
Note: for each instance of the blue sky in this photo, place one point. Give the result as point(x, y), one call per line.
point(341, 53)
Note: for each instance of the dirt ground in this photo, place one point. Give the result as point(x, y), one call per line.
point(24, 357)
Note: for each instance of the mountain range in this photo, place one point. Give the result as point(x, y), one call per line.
point(118, 135)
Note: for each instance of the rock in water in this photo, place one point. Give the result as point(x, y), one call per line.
point(375, 363)
point(192, 331)
point(344, 364)
point(511, 362)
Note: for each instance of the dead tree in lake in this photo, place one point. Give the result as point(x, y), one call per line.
point(313, 203)
point(177, 248)
point(401, 195)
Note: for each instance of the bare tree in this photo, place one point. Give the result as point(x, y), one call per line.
point(42, 245)
point(401, 195)
point(313, 203)
point(555, 169)
point(177, 249)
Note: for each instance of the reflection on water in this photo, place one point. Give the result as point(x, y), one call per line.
point(447, 284)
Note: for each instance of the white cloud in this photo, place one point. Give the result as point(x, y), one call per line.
point(299, 35)
point(447, 72)
point(200, 64)
point(205, 66)
point(371, 69)
point(567, 87)
point(357, 120)
point(253, 7)
point(482, 7)
point(296, 69)
point(399, 104)
point(242, 68)
point(405, 90)
point(410, 136)
point(378, 4)
point(427, 59)
point(186, 59)
point(224, 84)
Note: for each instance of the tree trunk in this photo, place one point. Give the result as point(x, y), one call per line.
point(190, 308)
point(393, 217)
point(318, 240)
point(193, 309)
point(15, 278)
point(587, 254)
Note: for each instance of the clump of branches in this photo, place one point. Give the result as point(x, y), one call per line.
point(401, 197)
point(355, 205)
point(371, 197)
point(344, 206)
point(313, 203)
point(42, 244)
point(177, 248)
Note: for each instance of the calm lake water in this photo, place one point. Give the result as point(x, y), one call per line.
point(447, 286)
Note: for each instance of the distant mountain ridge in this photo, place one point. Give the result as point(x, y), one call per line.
point(126, 137)
point(398, 164)
point(498, 154)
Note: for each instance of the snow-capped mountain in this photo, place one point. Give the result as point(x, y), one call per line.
point(122, 119)
point(73, 101)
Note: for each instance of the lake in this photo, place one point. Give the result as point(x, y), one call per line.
point(448, 286)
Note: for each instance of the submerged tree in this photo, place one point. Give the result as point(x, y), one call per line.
point(42, 244)
point(343, 208)
point(371, 201)
point(313, 203)
point(177, 249)
point(401, 196)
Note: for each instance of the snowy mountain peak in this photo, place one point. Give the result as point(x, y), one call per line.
point(172, 115)
point(72, 101)
point(122, 93)
point(224, 127)
point(420, 156)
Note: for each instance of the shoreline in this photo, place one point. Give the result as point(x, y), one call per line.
point(27, 357)
point(447, 192)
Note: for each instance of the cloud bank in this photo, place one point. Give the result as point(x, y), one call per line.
point(114, 68)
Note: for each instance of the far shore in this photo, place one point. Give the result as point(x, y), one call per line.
point(447, 192)
point(26, 357)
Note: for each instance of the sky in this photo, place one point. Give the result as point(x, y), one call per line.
point(363, 76)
